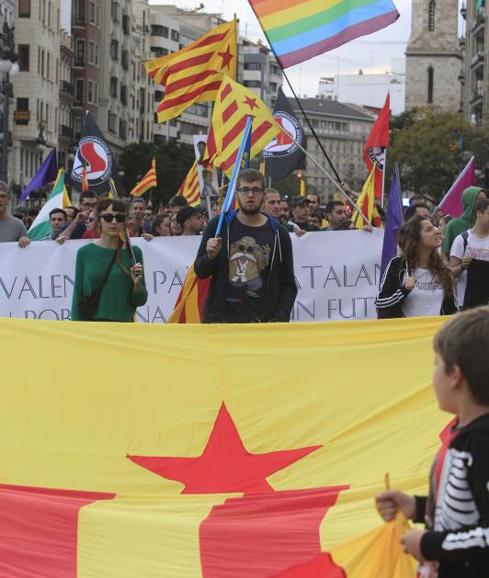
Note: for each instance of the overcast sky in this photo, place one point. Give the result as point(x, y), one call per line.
point(372, 53)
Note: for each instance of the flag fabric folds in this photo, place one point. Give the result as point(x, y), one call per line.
point(94, 164)
point(393, 220)
point(283, 155)
point(41, 226)
point(218, 463)
point(234, 103)
point(189, 306)
point(366, 205)
point(298, 30)
point(451, 204)
point(45, 174)
point(190, 188)
point(377, 142)
point(192, 74)
point(147, 182)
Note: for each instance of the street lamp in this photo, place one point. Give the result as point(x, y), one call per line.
point(9, 67)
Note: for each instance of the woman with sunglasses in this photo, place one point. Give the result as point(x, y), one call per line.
point(109, 274)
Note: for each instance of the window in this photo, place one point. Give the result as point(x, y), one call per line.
point(122, 129)
point(252, 66)
point(157, 30)
point(49, 15)
point(123, 94)
point(92, 53)
point(79, 91)
point(80, 52)
point(125, 59)
point(125, 24)
point(175, 35)
point(23, 52)
point(23, 104)
point(252, 83)
point(113, 86)
point(42, 62)
point(80, 7)
point(114, 10)
point(92, 90)
point(111, 122)
point(91, 12)
point(114, 49)
point(430, 84)
point(431, 15)
point(48, 66)
point(24, 8)
point(158, 51)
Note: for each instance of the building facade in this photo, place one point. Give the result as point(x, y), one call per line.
point(36, 87)
point(342, 130)
point(475, 73)
point(259, 70)
point(433, 56)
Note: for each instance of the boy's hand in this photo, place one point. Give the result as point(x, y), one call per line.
point(412, 543)
point(214, 245)
point(390, 502)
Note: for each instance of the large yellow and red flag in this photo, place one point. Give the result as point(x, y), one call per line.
point(190, 187)
point(192, 74)
point(189, 306)
point(233, 105)
point(147, 182)
point(366, 205)
point(187, 453)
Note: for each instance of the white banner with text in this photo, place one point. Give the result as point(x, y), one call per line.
point(337, 274)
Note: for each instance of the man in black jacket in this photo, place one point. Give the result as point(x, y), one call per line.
point(251, 262)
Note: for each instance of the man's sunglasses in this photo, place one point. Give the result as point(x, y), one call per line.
point(108, 218)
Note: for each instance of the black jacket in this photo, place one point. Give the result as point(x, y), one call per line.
point(392, 292)
point(459, 538)
point(280, 288)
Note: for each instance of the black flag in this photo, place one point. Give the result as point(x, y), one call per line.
point(95, 155)
point(282, 155)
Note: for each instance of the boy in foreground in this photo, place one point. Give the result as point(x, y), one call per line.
point(455, 543)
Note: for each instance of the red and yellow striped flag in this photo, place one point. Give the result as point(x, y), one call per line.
point(190, 188)
point(147, 182)
point(189, 307)
point(233, 105)
point(84, 178)
point(193, 74)
point(366, 204)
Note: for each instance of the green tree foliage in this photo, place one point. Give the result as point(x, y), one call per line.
point(432, 146)
point(173, 161)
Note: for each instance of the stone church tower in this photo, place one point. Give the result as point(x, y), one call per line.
point(433, 57)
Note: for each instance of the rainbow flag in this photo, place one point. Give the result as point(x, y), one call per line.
point(298, 30)
point(229, 466)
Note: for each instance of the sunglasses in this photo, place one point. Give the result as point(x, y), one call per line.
point(108, 218)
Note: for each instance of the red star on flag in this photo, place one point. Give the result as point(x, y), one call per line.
point(226, 56)
point(225, 465)
point(251, 102)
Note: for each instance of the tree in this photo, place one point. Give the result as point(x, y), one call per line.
point(432, 146)
point(173, 161)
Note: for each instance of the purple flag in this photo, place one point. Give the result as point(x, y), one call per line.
point(451, 204)
point(45, 174)
point(393, 221)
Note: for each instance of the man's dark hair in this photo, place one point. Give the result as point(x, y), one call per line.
point(186, 213)
point(116, 204)
point(87, 195)
point(330, 206)
point(250, 175)
point(317, 213)
point(137, 200)
point(411, 211)
point(315, 195)
point(481, 206)
point(464, 341)
point(178, 201)
point(57, 210)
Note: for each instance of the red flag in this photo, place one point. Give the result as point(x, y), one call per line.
point(377, 142)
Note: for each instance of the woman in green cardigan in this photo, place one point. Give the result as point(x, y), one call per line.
point(109, 259)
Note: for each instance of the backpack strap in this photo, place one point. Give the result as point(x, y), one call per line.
point(465, 237)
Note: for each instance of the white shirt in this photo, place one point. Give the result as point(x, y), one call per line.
point(477, 248)
point(427, 296)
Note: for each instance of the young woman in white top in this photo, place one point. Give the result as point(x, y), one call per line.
point(418, 282)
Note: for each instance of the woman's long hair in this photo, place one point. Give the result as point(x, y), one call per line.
point(410, 241)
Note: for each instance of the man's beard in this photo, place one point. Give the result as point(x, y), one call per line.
point(249, 211)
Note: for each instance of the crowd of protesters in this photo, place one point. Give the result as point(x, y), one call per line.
point(442, 263)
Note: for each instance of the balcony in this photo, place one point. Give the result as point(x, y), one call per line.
point(65, 131)
point(66, 88)
point(477, 60)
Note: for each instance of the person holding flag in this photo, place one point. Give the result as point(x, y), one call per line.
point(250, 263)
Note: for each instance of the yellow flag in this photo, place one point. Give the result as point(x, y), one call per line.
point(365, 204)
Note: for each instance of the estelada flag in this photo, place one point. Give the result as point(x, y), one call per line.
point(234, 103)
point(147, 182)
point(189, 306)
point(192, 74)
point(377, 142)
point(219, 463)
point(366, 204)
point(94, 164)
point(283, 155)
point(190, 187)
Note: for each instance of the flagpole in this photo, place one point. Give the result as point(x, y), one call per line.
point(383, 178)
point(457, 181)
point(327, 175)
point(234, 176)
